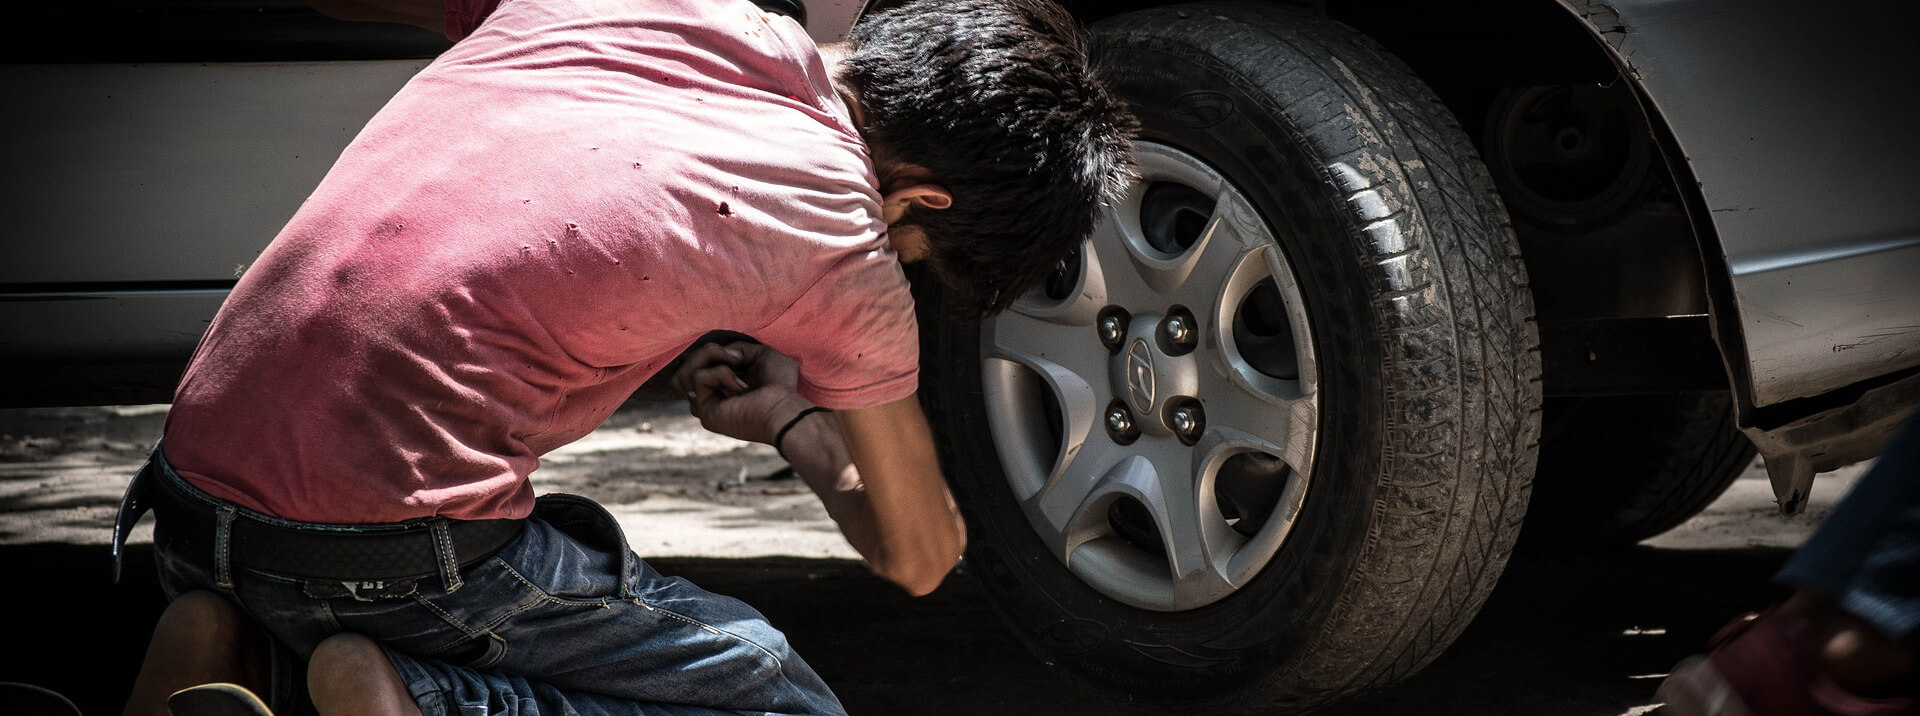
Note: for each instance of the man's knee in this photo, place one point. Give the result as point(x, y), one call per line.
point(205, 614)
point(350, 673)
point(345, 649)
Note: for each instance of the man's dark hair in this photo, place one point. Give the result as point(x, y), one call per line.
point(997, 99)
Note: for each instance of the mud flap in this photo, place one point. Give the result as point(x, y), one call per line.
point(1792, 478)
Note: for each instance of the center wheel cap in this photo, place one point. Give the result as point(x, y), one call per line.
point(1145, 376)
point(1140, 376)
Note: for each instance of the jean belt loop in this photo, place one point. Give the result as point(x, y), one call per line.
point(223, 547)
point(444, 554)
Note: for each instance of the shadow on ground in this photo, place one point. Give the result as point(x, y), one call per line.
point(1566, 636)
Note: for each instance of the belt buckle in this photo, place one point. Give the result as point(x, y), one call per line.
point(361, 590)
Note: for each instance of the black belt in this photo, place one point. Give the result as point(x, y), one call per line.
point(388, 552)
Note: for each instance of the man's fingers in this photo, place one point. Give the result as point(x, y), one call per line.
point(712, 353)
point(704, 384)
point(718, 379)
point(746, 351)
point(722, 379)
point(702, 358)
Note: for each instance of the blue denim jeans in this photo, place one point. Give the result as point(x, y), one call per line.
point(564, 619)
point(1865, 556)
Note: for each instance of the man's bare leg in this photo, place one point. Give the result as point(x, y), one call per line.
point(349, 674)
point(201, 638)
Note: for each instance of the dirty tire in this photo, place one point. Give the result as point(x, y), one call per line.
point(1616, 470)
point(1429, 374)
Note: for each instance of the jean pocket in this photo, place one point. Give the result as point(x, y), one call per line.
point(587, 533)
point(550, 565)
point(483, 651)
point(582, 519)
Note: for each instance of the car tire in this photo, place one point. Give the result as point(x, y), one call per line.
point(1408, 396)
point(1616, 470)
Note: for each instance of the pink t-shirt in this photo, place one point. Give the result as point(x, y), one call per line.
point(537, 223)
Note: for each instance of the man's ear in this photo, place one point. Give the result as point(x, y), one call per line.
point(895, 204)
point(905, 185)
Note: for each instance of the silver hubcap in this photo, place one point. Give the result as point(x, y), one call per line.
point(1155, 406)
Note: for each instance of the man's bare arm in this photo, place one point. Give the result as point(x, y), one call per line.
point(818, 454)
point(876, 471)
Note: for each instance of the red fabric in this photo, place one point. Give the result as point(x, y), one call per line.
point(1770, 661)
point(463, 16)
point(538, 222)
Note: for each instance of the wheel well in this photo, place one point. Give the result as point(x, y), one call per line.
point(1617, 270)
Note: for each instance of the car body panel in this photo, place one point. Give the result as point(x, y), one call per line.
point(155, 185)
point(1815, 327)
point(212, 158)
point(832, 20)
point(1815, 203)
point(53, 327)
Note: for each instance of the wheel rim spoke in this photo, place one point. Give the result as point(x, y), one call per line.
point(1199, 544)
point(1067, 508)
point(1028, 453)
point(1046, 341)
point(1285, 427)
point(1231, 233)
point(1109, 250)
point(1085, 297)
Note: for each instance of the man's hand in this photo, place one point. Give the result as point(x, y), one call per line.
point(874, 469)
point(753, 407)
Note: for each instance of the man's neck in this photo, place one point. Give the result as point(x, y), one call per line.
point(834, 55)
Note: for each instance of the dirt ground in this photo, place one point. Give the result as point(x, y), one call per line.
point(678, 489)
point(1585, 635)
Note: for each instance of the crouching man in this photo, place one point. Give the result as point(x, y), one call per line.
point(542, 219)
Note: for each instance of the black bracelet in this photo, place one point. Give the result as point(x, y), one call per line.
point(782, 435)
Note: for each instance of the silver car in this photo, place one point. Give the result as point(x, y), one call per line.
point(1402, 283)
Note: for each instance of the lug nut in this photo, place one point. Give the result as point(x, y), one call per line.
point(1112, 327)
point(1120, 425)
point(1178, 331)
point(1187, 420)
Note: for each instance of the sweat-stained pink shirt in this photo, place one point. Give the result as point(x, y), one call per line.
point(537, 223)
